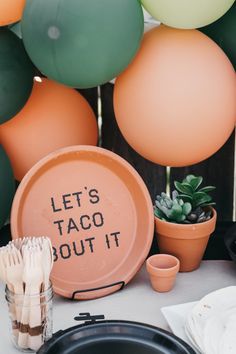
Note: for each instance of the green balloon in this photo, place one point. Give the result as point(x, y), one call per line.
point(16, 75)
point(82, 43)
point(7, 186)
point(223, 32)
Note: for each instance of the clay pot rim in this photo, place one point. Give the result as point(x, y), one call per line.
point(183, 231)
point(162, 272)
point(189, 226)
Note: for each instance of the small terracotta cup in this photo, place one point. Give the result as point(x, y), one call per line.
point(162, 269)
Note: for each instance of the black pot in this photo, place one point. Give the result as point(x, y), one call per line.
point(115, 337)
point(230, 242)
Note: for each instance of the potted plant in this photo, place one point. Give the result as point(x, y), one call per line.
point(185, 221)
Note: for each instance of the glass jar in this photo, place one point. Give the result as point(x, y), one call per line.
point(31, 323)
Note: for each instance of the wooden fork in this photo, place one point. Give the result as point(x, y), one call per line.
point(14, 269)
point(33, 279)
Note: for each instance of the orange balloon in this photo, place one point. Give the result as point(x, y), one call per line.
point(55, 116)
point(11, 11)
point(176, 102)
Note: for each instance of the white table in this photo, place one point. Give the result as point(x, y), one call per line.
point(137, 301)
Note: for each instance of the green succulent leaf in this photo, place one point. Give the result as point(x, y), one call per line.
point(158, 205)
point(201, 198)
point(186, 198)
point(184, 188)
point(166, 211)
point(175, 194)
point(208, 204)
point(188, 179)
point(176, 202)
point(162, 202)
point(158, 213)
point(181, 218)
point(187, 208)
point(176, 212)
point(169, 203)
point(196, 182)
point(207, 189)
point(199, 195)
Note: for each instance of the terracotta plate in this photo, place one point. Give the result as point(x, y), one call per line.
point(98, 213)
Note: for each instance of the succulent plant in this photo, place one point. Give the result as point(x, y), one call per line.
point(189, 203)
point(174, 210)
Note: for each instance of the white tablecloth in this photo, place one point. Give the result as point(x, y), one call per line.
point(137, 301)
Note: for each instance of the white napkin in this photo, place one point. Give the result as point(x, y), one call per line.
point(211, 325)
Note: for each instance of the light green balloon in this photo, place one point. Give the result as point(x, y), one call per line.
point(187, 13)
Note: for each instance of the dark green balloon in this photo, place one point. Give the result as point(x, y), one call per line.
point(223, 32)
point(82, 43)
point(7, 186)
point(16, 75)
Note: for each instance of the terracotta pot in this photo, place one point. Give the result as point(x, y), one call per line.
point(162, 269)
point(186, 242)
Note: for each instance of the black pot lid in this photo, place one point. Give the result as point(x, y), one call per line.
point(115, 337)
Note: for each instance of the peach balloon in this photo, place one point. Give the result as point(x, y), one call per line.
point(11, 11)
point(176, 102)
point(55, 116)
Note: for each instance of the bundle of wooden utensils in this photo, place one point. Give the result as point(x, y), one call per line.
point(25, 267)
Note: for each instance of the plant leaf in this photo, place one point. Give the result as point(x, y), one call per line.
point(166, 211)
point(186, 198)
point(201, 198)
point(187, 208)
point(199, 195)
point(184, 188)
point(181, 218)
point(207, 189)
point(168, 202)
point(162, 202)
point(188, 179)
point(175, 202)
point(196, 182)
point(175, 194)
point(158, 213)
point(175, 212)
point(208, 204)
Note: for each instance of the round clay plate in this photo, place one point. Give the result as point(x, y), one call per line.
point(98, 213)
